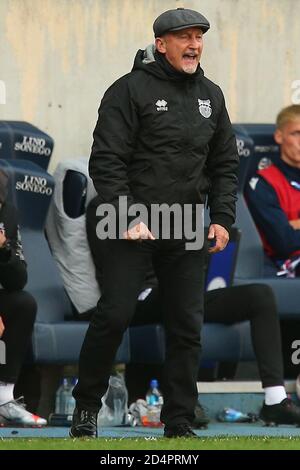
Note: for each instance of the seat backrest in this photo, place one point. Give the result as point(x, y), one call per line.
point(30, 189)
point(74, 193)
point(250, 260)
point(245, 146)
point(66, 232)
point(221, 265)
point(251, 255)
point(264, 146)
point(254, 142)
point(21, 140)
point(44, 280)
point(262, 135)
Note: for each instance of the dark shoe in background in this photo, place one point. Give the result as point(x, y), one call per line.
point(179, 430)
point(201, 419)
point(84, 423)
point(285, 412)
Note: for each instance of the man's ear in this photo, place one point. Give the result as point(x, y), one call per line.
point(278, 136)
point(160, 45)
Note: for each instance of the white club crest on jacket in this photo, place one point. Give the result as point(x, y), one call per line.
point(161, 105)
point(205, 108)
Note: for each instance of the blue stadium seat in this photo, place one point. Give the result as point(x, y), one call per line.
point(259, 140)
point(219, 343)
point(21, 140)
point(54, 340)
point(245, 146)
point(74, 201)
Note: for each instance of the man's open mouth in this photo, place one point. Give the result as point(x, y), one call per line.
point(191, 58)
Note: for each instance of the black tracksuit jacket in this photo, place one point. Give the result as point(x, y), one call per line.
point(152, 144)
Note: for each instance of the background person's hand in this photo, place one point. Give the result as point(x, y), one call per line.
point(295, 224)
point(2, 238)
point(138, 232)
point(220, 235)
point(2, 327)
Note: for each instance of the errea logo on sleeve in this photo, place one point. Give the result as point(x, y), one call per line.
point(161, 105)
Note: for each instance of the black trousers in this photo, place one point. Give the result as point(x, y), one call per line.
point(18, 311)
point(124, 266)
point(253, 302)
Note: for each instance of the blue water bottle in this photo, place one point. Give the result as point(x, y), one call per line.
point(154, 401)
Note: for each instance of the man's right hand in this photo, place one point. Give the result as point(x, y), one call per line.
point(2, 327)
point(138, 232)
point(220, 234)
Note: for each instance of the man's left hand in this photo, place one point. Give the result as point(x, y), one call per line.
point(220, 235)
point(139, 232)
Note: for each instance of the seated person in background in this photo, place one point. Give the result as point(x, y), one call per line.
point(17, 315)
point(254, 302)
point(273, 193)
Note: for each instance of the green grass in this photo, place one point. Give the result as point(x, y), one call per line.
point(208, 443)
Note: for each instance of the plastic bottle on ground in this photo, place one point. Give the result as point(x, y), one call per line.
point(154, 401)
point(61, 396)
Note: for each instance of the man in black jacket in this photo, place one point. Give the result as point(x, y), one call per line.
point(17, 315)
point(163, 137)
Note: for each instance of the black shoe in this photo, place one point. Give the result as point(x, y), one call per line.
point(285, 412)
point(201, 419)
point(84, 423)
point(179, 430)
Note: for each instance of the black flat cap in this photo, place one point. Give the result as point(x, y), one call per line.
point(181, 18)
